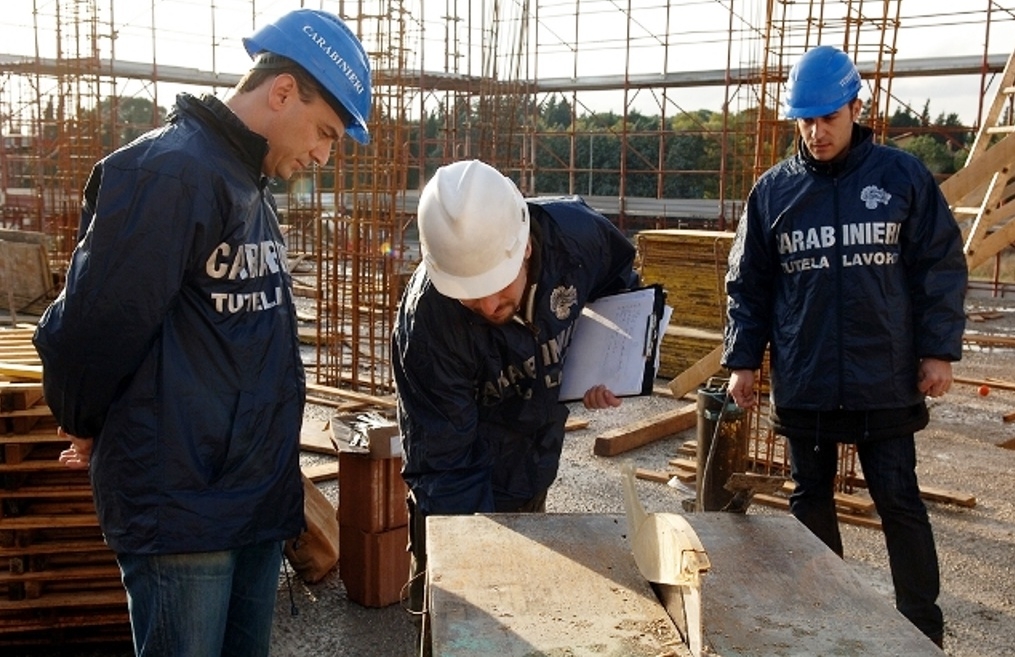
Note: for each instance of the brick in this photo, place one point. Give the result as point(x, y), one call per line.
point(374, 566)
point(371, 492)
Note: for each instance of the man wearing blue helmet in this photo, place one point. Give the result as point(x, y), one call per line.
point(848, 267)
point(171, 358)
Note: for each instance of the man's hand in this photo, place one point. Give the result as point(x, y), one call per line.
point(79, 454)
point(600, 397)
point(935, 377)
point(741, 388)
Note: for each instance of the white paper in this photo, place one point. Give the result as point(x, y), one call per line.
point(613, 340)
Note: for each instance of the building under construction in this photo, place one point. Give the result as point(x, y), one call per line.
point(661, 113)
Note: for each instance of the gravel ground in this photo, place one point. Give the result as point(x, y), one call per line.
point(958, 452)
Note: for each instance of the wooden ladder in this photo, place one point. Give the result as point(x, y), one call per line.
point(982, 194)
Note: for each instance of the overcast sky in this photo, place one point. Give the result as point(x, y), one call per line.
point(206, 35)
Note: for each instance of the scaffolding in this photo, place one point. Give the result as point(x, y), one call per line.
point(661, 113)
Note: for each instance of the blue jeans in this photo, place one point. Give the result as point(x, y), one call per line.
point(204, 604)
point(889, 468)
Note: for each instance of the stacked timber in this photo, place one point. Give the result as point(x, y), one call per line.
point(60, 582)
point(691, 267)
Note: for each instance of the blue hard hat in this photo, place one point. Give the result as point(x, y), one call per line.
point(323, 45)
point(822, 81)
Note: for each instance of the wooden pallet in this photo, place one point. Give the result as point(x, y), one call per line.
point(59, 581)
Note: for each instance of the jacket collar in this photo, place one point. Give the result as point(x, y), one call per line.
point(249, 146)
point(859, 144)
point(534, 270)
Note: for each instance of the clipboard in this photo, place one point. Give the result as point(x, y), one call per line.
point(616, 343)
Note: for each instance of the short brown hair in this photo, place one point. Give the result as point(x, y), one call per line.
point(269, 65)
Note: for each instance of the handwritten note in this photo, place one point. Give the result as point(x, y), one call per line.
point(615, 340)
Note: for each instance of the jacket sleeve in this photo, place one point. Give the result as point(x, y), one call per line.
point(937, 272)
point(122, 279)
point(750, 285)
point(447, 466)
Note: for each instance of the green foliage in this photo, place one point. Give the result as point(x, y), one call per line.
point(124, 119)
point(942, 145)
point(934, 154)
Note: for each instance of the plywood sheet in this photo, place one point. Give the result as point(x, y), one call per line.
point(775, 589)
point(541, 584)
point(566, 584)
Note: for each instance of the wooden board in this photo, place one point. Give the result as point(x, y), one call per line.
point(541, 584)
point(643, 432)
point(566, 584)
point(776, 589)
point(321, 471)
point(316, 436)
point(21, 371)
point(696, 374)
point(25, 278)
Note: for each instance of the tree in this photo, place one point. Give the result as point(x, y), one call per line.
point(934, 154)
point(556, 114)
point(133, 117)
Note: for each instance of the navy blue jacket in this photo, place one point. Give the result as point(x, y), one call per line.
point(851, 272)
point(478, 407)
point(174, 342)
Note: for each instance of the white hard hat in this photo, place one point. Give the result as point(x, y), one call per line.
point(473, 230)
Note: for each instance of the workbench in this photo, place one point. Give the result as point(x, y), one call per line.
point(567, 584)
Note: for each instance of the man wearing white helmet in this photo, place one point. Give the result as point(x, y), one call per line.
point(480, 339)
point(171, 358)
point(848, 267)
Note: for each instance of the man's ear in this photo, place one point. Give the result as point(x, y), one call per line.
point(282, 90)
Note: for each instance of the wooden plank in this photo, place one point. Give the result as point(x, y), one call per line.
point(321, 471)
point(684, 463)
point(111, 597)
point(850, 503)
point(541, 584)
point(696, 374)
point(18, 386)
point(320, 389)
point(42, 436)
point(776, 589)
point(643, 432)
point(21, 371)
point(33, 466)
point(40, 410)
point(48, 521)
point(993, 383)
point(950, 497)
point(109, 572)
point(978, 170)
point(779, 502)
point(96, 545)
point(652, 475)
point(929, 493)
point(574, 424)
point(315, 436)
point(82, 489)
